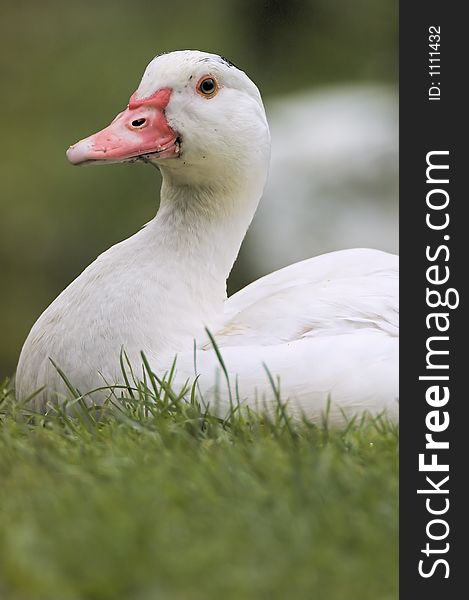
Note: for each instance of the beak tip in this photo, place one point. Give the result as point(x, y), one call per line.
point(79, 152)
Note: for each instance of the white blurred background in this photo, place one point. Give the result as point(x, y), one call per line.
point(333, 180)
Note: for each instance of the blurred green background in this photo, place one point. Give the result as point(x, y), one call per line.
point(66, 68)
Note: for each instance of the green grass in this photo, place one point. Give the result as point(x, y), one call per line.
point(158, 500)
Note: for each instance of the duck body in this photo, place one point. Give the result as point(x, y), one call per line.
point(327, 327)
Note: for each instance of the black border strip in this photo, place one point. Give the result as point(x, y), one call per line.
point(428, 126)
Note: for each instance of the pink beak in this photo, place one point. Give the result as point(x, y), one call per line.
point(140, 130)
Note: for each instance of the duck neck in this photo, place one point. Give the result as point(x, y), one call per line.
point(199, 230)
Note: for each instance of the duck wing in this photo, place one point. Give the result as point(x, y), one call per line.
point(325, 328)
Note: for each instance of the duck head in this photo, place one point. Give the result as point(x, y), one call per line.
point(192, 113)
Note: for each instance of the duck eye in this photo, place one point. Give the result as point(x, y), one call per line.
point(138, 122)
point(207, 87)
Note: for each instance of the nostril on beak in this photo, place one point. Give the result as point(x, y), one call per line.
point(138, 122)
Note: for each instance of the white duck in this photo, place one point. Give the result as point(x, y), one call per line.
point(327, 326)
